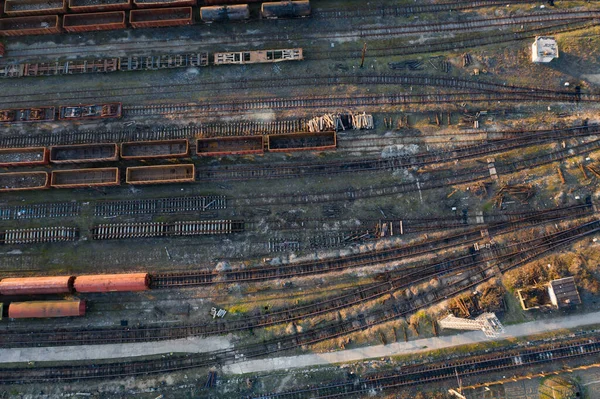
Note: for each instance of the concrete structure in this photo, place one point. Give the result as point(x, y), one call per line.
point(486, 322)
point(544, 49)
point(563, 292)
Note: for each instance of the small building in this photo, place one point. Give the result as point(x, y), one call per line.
point(563, 292)
point(544, 49)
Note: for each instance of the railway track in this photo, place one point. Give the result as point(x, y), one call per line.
point(405, 11)
point(451, 369)
point(425, 181)
point(131, 92)
point(279, 171)
point(41, 211)
point(331, 330)
point(39, 235)
point(394, 281)
point(385, 32)
point(119, 231)
point(159, 206)
point(337, 102)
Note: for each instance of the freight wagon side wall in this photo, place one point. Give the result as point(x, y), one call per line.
point(16, 8)
point(23, 156)
point(93, 177)
point(158, 4)
point(112, 282)
point(161, 17)
point(23, 26)
point(83, 6)
point(94, 21)
point(37, 285)
point(17, 181)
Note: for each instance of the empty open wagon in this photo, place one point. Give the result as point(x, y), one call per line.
point(94, 21)
point(160, 174)
point(218, 146)
point(302, 141)
point(99, 5)
point(17, 181)
point(225, 13)
point(93, 177)
point(259, 56)
point(91, 111)
point(285, 9)
point(16, 8)
point(159, 17)
point(163, 3)
point(37, 25)
point(84, 153)
point(155, 149)
point(23, 156)
point(43, 114)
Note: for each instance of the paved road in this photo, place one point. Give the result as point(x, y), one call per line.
point(198, 345)
point(405, 348)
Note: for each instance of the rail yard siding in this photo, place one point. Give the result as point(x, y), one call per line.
point(23, 156)
point(160, 174)
point(46, 309)
point(84, 153)
point(225, 13)
point(82, 6)
point(17, 8)
point(16, 181)
point(155, 149)
point(94, 21)
point(229, 146)
point(302, 141)
point(34, 25)
point(285, 9)
point(112, 282)
point(36, 285)
point(92, 177)
point(159, 17)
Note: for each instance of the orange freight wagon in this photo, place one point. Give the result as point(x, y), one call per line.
point(46, 309)
point(37, 285)
point(112, 282)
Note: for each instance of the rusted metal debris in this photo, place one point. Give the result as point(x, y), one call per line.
point(521, 192)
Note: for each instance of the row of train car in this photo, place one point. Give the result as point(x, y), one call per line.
point(142, 150)
point(121, 15)
point(65, 285)
point(65, 113)
point(145, 63)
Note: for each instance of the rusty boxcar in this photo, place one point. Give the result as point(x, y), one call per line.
point(225, 13)
point(163, 3)
point(79, 178)
point(17, 8)
point(302, 141)
point(23, 156)
point(34, 25)
point(155, 149)
point(160, 174)
point(79, 153)
point(46, 309)
point(37, 285)
point(161, 17)
point(81, 6)
point(87, 23)
point(17, 181)
point(218, 146)
point(112, 282)
point(285, 9)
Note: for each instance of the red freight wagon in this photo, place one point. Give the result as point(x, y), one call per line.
point(112, 282)
point(37, 285)
point(45, 309)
